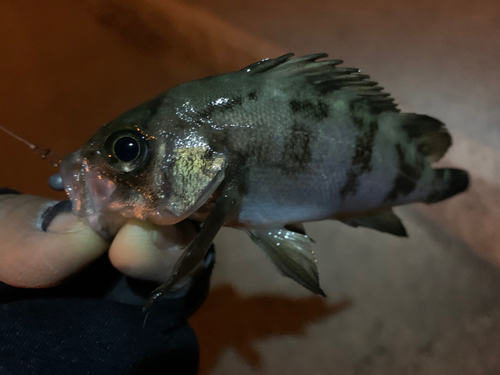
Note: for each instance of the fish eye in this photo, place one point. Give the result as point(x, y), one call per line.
point(125, 150)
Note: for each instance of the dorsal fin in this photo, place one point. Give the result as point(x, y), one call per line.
point(325, 76)
point(266, 64)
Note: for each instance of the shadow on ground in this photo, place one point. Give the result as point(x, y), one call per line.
point(230, 320)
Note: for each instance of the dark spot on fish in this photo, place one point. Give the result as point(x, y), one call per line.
point(208, 154)
point(253, 95)
point(406, 179)
point(362, 160)
point(356, 108)
point(259, 148)
point(318, 111)
point(153, 106)
point(297, 152)
point(218, 139)
point(358, 122)
point(237, 172)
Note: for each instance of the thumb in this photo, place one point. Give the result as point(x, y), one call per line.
point(42, 242)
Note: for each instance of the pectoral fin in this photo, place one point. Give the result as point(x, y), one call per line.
point(292, 254)
point(385, 221)
point(226, 206)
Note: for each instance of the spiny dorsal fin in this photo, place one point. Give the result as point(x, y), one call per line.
point(383, 221)
point(325, 76)
point(266, 64)
point(430, 135)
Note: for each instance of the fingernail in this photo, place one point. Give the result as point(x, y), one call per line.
point(50, 214)
point(8, 191)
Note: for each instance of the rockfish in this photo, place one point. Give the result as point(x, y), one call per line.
point(263, 149)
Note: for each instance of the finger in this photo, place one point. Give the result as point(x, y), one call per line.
point(146, 251)
point(34, 258)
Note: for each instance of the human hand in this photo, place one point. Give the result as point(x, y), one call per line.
point(43, 243)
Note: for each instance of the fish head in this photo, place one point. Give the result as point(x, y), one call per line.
point(144, 166)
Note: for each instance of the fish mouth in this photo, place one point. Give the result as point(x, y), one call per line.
point(90, 193)
point(107, 201)
point(94, 197)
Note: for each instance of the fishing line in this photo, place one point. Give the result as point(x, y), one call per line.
point(43, 152)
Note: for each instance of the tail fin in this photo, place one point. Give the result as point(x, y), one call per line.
point(449, 182)
point(430, 135)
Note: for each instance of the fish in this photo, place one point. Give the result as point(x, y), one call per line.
point(263, 149)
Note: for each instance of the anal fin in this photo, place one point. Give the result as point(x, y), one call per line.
point(383, 221)
point(291, 253)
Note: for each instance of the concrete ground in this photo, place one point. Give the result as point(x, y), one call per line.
point(423, 305)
